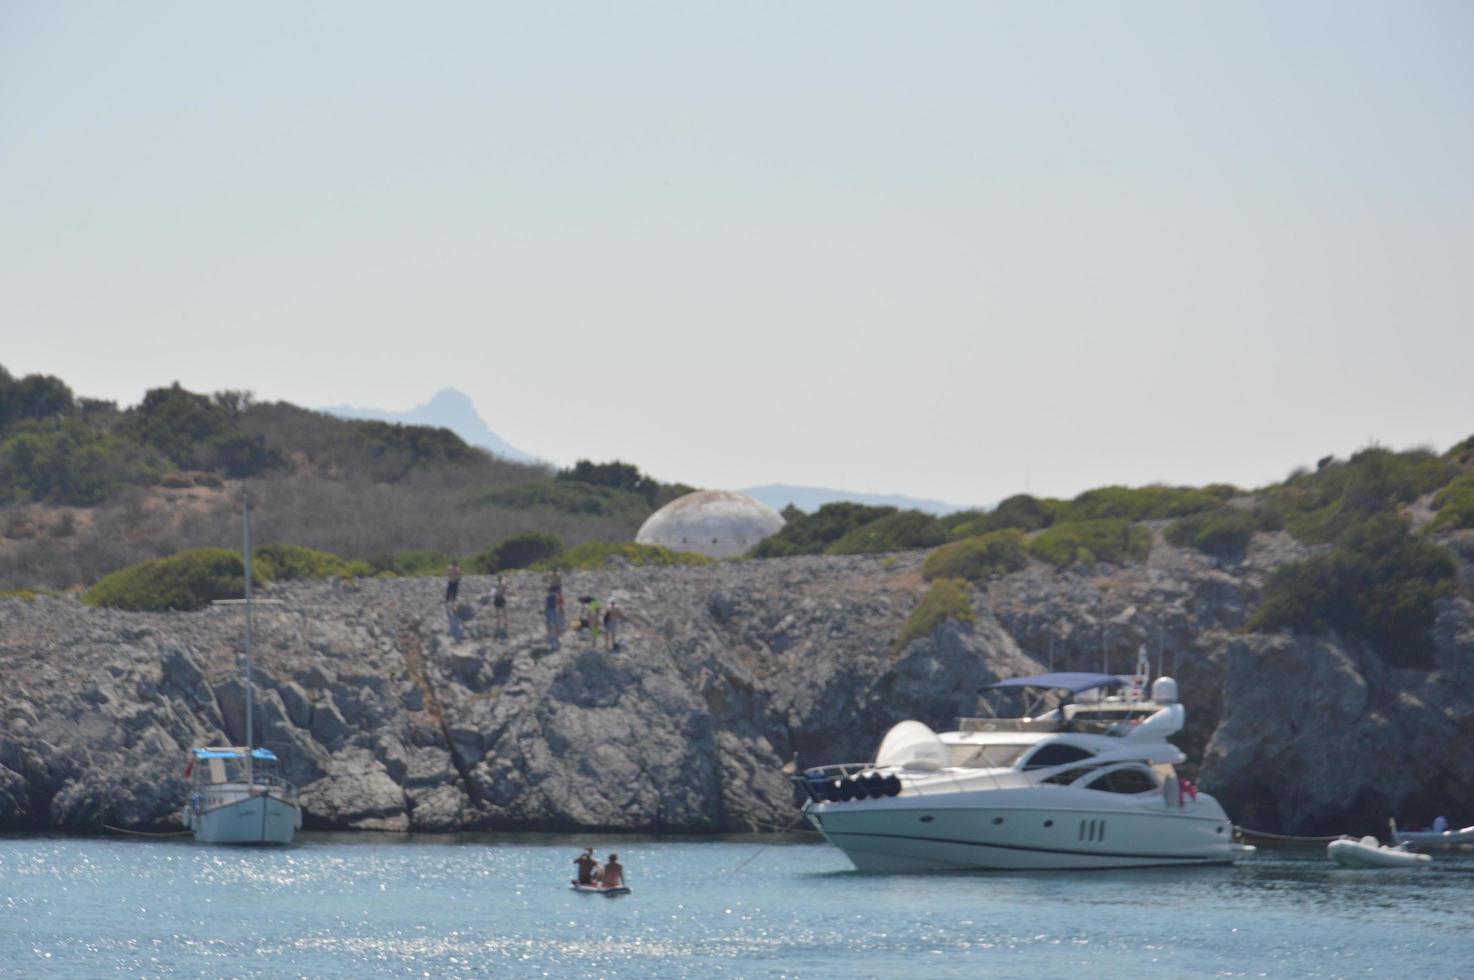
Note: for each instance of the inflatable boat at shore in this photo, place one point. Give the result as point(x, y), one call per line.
point(1367, 852)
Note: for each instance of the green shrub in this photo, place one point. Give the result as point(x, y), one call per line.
point(965, 524)
point(67, 461)
point(1455, 504)
point(811, 534)
point(35, 397)
point(238, 456)
point(979, 558)
point(174, 421)
point(1111, 539)
point(518, 551)
point(27, 595)
point(417, 444)
point(566, 497)
point(1318, 507)
point(283, 562)
point(1144, 503)
point(594, 555)
point(418, 562)
point(946, 599)
point(1222, 533)
point(1379, 583)
point(904, 531)
point(1020, 511)
point(189, 580)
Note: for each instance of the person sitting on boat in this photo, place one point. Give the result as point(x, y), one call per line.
point(588, 866)
point(613, 873)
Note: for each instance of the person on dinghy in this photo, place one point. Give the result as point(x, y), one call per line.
point(588, 866)
point(613, 873)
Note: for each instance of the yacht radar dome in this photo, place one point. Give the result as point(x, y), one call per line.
point(1164, 690)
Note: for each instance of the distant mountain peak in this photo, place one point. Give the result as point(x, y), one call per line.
point(450, 398)
point(449, 409)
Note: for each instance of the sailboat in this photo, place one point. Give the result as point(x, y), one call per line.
point(237, 793)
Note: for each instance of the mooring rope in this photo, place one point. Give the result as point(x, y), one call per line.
point(144, 833)
point(1251, 832)
point(751, 857)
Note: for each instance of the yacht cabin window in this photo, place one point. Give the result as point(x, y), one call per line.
point(1130, 781)
point(1000, 756)
point(1056, 754)
point(1070, 775)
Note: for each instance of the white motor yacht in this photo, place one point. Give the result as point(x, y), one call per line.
point(238, 797)
point(1089, 783)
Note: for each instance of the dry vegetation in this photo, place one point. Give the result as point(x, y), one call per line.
point(362, 490)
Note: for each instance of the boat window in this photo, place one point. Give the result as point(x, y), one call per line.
point(1125, 781)
point(1001, 756)
point(1069, 775)
point(1056, 754)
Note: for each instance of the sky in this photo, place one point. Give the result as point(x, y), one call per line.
point(952, 250)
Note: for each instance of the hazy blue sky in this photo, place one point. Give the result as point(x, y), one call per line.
point(921, 248)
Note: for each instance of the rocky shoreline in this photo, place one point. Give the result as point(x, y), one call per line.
point(388, 723)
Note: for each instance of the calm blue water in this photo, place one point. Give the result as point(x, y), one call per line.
point(356, 906)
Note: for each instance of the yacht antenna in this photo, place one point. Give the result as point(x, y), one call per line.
point(246, 561)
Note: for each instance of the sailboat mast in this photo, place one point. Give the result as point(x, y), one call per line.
point(246, 561)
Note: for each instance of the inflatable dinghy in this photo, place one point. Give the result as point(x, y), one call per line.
point(1367, 853)
point(596, 890)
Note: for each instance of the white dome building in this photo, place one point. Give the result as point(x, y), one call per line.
point(715, 523)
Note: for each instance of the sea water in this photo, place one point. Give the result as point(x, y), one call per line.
point(368, 905)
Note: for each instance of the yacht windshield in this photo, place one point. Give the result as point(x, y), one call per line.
point(1001, 756)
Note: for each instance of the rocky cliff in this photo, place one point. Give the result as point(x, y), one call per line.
point(389, 722)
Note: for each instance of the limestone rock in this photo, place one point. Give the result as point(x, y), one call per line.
point(726, 672)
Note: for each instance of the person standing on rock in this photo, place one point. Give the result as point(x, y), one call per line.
point(499, 603)
point(551, 616)
point(590, 618)
point(452, 582)
point(613, 617)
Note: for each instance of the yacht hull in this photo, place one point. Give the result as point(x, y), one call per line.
point(240, 818)
point(905, 834)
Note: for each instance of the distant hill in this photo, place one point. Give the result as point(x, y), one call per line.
point(449, 409)
point(780, 495)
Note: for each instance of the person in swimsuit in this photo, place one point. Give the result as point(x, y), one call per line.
point(452, 582)
point(613, 873)
point(587, 866)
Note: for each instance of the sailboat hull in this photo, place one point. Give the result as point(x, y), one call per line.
point(231, 815)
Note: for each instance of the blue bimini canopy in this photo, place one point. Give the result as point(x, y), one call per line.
point(1072, 682)
point(265, 755)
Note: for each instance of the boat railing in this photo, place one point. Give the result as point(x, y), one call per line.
point(270, 780)
point(1007, 725)
point(1074, 723)
point(863, 780)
